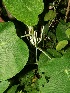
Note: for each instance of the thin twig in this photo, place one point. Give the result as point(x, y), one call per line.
point(26, 35)
point(68, 9)
point(43, 52)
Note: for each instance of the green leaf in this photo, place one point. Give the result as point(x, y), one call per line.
point(67, 53)
point(54, 53)
point(42, 59)
point(60, 31)
point(68, 32)
point(55, 75)
point(61, 45)
point(3, 86)
point(46, 28)
point(13, 52)
point(26, 11)
point(12, 89)
point(52, 38)
point(50, 15)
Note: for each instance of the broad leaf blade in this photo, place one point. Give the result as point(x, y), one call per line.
point(26, 11)
point(55, 75)
point(13, 52)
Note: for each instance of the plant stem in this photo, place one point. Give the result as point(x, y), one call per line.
point(43, 52)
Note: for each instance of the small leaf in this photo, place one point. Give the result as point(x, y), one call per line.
point(50, 15)
point(67, 53)
point(61, 45)
point(13, 52)
point(54, 53)
point(46, 28)
point(26, 11)
point(68, 32)
point(3, 86)
point(60, 31)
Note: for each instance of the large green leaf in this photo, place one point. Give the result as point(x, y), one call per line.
point(13, 51)
point(55, 75)
point(26, 11)
point(3, 86)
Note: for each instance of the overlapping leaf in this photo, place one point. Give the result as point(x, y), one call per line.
point(13, 52)
point(26, 11)
point(55, 75)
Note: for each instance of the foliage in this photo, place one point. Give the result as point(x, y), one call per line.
point(48, 15)
point(34, 46)
point(55, 74)
point(12, 52)
point(61, 44)
point(29, 10)
point(3, 86)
